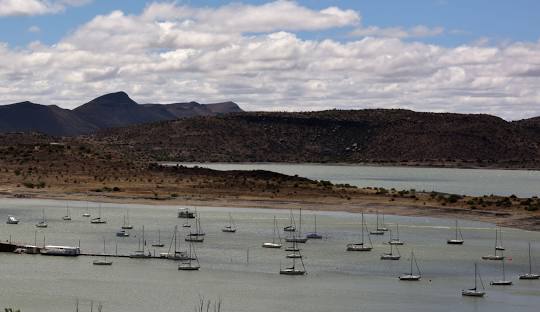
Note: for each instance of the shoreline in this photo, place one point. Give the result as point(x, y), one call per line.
point(509, 219)
point(339, 164)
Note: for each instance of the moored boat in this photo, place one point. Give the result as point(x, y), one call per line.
point(185, 213)
point(503, 281)
point(65, 251)
point(456, 240)
point(98, 220)
point(103, 261)
point(530, 275)
point(474, 292)
point(391, 255)
point(314, 234)
point(231, 227)
point(274, 244)
point(495, 255)
point(378, 230)
point(361, 246)
point(411, 276)
point(12, 220)
point(395, 240)
point(43, 222)
point(192, 263)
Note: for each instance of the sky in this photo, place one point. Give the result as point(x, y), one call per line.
point(464, 56)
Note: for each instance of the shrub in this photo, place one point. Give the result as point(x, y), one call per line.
point(28, 184)
point(453, 198)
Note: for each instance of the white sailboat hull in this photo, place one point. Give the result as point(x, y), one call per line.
point(409, 277)
point(501, 283)
point(473, 293)
point(492, 257)
point(529, 276)
point(358, 247)
point(291, 272)
point(390, 257)
point(271, 245)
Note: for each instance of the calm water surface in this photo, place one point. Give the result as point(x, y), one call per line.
point(337, 280)
point(523, 183)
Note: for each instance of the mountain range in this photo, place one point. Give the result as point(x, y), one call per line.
point(107, 111)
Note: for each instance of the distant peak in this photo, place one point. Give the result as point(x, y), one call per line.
point(113, 99)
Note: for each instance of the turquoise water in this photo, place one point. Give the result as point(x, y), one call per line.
point(336, 281)
point(523, 183)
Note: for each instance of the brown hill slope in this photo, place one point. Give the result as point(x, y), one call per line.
point(379, 136)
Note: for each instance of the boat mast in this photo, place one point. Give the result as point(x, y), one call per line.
point(300, 225)
point(362, 228)
point(504, 273)
point(274, 235)
point(530, 265)
point(456, 230)
point(412, 257)
point(475, 276)
point(175, 230)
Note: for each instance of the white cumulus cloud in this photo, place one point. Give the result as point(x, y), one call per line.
point(418, 31)
point(35, 7)
point(252, 54)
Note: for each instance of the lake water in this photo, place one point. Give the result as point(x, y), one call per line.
point(336, 281)
point(523, 183)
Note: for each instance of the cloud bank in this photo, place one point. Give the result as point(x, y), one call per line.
point(35, 7)
point(254, 55)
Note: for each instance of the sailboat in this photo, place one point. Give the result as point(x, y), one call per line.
point(298, 237)
point(158, 243)
point(274, 244)
point(12, 220)
point(361, 246)
point(67, 217)
point(231, 227)
point(122, 233)
point(176, 254)
point(456, 240)
point(395, 240)
point(530, 275)
point(98, 220)
point(295, 250)
point(186, 225)
point(189, 265)
point(411, 276)
point(314, 234)
point(378, 230)
point(293, 270)
point(104, 261)
point(87, 213)
point(495, 256)
point(383, 226)
point(185, 213)
point(126, 225)
point(474, 292)
point(198, 235)
point(503, 281)
point(390, 255)
point(43, 222)
point(498, 241)
point(291, 227)
point(140, 252)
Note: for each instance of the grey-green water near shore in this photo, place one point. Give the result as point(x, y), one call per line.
point(337, 280)
point(523, 183)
